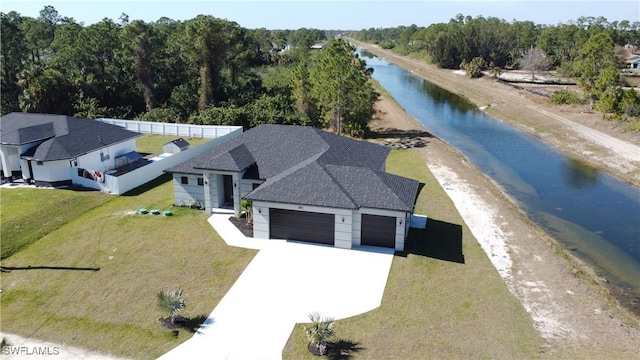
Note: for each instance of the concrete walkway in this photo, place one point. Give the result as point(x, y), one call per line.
point(279, 288)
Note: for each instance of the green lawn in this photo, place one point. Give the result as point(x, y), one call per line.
point(28, 214)
point(437, 304)
point(112, 309)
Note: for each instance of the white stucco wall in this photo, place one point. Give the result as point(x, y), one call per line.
point(186, 194)
point(10, 159)
point(93, 160)
point(51, 171)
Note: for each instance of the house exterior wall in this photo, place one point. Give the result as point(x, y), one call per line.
point(186, 194)
point(342, 218)
point(214, 190)
point(94, 160)
point(10, 157)
point(348, 222)
point(51, 172)
point(246, 186)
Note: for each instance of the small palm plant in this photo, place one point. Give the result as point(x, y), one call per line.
point(318, 332)
point(171, 302)
point(246, 209)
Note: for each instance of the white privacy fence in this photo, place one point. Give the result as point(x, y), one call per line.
point(189, 130)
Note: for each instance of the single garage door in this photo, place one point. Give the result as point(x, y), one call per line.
point(302, 225)
point(378, 231)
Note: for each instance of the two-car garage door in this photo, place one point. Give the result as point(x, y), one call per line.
point(320, 228)
point(302, 225)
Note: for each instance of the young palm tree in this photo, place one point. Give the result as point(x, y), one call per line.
point(171, 302)
point(320, 330)
point(246, 209)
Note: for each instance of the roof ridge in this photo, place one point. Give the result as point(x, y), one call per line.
point(339, 184)
point(380, 175)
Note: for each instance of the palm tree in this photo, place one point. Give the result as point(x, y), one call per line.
point(246, 209)
point(171, 302)
point(320, 330)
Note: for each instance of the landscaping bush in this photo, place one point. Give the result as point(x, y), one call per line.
point(564, 96)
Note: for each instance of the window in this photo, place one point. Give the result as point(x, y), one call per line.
point(184, 180)
point(39, 162)
point(200, 182)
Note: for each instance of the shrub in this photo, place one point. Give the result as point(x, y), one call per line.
point(565, 96)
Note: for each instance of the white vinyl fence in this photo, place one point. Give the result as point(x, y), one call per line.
point(189, 130)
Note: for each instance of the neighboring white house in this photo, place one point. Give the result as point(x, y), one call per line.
point(633, 62)
point(305, 184)
point(51, 150)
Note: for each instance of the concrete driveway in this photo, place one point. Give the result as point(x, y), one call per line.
point(283, 284)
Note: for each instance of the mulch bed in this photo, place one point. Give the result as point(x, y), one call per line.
point(242, 225)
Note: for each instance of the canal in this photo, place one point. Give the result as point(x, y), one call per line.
point(591, 213)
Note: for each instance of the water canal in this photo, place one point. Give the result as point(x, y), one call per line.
point(591, 213)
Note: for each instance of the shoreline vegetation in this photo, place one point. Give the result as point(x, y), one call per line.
point(574, 130)
point(594, 158)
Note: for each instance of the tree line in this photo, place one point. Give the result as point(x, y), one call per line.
point(203, 70)
point(589, 49)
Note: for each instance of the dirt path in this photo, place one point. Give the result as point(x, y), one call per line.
point(19, 348)
point(574, 315)
point(576, 131)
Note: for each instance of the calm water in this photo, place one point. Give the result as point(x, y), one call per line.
point(591, 213)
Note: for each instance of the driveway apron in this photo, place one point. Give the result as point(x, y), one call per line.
point(279, 288)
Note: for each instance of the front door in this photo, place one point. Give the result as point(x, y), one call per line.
point(228, 189)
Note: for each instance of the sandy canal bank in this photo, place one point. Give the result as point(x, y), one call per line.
point(574, 313)
point(574, 130)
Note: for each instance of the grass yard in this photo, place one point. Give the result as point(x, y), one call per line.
point(93, 280)
point(152, 143)
point(443, 300)
point(28, 214)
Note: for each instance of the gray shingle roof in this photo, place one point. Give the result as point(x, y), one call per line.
point(180, 143)
point(309, 185)
point(340, 186)
point(307, 166)
point(66, 137)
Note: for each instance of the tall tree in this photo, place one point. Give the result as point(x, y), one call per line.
point(13, 53)
point(137, 40)
point(596, 57)
point(339, 85)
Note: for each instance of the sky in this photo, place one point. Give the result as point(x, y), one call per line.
point(331, 14)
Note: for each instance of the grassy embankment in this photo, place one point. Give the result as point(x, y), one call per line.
point(444, 298)
point(90, 280)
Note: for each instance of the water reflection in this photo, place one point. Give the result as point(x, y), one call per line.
point(366, 54)
point(579, 175)
point(591, 213)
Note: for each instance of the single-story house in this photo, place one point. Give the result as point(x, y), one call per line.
point(175, 146)
point(305, 184)
point(633, 62)
point(51, 150)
